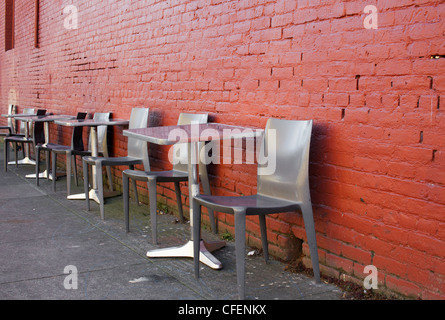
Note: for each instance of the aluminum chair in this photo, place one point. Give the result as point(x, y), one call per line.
point(176, 175)
point(285, 190)
point(37, 137)
point(137, 153)
point(54, 149)
point(102, 144)
point(10, 126)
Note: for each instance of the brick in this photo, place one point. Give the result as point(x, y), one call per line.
point(340, 263)
point(404, 287)
point(394, 67)
point(389, 265)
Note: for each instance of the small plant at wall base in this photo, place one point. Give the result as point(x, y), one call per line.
point(352, 291)
point(227, 236)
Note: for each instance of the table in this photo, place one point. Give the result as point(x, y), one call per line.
point(93, 124)
point(26, 159)
point(46, 119)
point(192, 134)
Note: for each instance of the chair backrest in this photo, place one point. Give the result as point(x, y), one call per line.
point(101, 131)
point(39, 131)
point(180, 150)
point(11, 122)
point(136, 147)
point(77, 137)
point(285, 174)
point(23, 124)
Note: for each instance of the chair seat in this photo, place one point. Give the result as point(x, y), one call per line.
point(12, 134)
point(113, 161)
point(54, 147)
point(83, 152)
point(18, 139)
point(254, 204)
point(161, 176)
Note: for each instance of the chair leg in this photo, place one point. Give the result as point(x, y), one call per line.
point(196, 207)
point(110, 178)
point(21, 149)
point(16, 156)
point(135, 188)
point(264, 237)
point(47, 161)
point(312, 241)
point(6, 156)
point(76, 181)
point(86, 183)
point(37, 165)
point(53, 170)
point(108, 169)
point(125, 194)
point(152, 198)
point(179, 201)
point(240, 251)
point(206, 187)
point(100, 188)
point(68, 172)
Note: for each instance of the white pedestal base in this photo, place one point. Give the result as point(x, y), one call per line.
point(186, 251)
point(25, 160)
point(93, 195)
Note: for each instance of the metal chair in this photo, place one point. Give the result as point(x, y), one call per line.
point(10, 126)
point(137, 153)
point(102, 144)
point(54, 149)
point(285, 190)
point(37, 137)
point(176, 175)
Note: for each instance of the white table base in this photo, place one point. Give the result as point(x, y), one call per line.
point(25, 160)
point(93, 195)
point(186, 251)
point(44, 175)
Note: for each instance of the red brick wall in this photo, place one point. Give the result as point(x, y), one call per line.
point(376, 97)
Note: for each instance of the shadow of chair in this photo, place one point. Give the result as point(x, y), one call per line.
point(284, 189)
point(54, 149)
point(37, 136)
point(178, 174)
point(137, 153)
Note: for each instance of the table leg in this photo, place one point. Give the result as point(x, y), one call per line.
point(186, 251)
point(43, 174)
point(93, 194)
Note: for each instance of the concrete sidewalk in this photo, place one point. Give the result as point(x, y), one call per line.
point(44, 237)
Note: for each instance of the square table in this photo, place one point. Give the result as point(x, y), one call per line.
point(46, 119)
point(192, 134)
point(93, 124)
